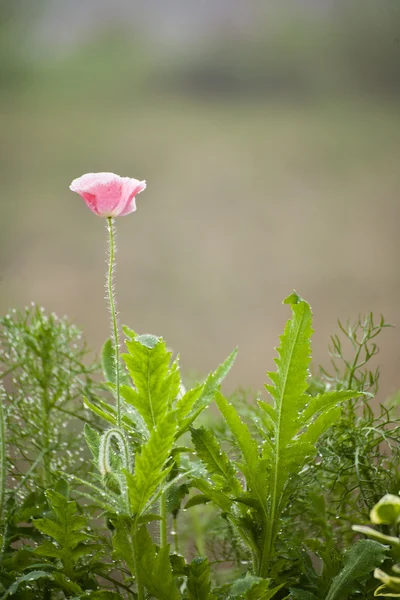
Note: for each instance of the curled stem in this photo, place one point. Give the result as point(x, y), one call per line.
point(114, 324)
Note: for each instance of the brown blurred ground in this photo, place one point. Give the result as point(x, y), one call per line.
point(252, 191)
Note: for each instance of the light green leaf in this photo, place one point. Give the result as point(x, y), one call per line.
point(377, 535)
point(108, 364)
point(218, 464)
point(386, 511)
point(390, 584)
point(156, 383)
point(327, 400)
point(155, 568)
point(295, 419)
point(192, 404)
point(150, 470)
point(92, 438)
point(253, 467)
point(253, 588)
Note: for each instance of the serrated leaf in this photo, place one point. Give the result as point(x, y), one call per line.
point(156, 383)
point(155, 568)
point(295, 419)
point(123, 541)
point(198, 583)
point(66, 584)
point(175, 495)
point(359, 561)
point(92, 438)
point(323, 402)
point(253, 467)
point(219, 466)
point(67, 529)
point(150, 470)
point(191, 405)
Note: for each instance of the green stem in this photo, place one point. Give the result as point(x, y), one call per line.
point(114, 324)
point(140, 588)
point(163, 522)
point(176, 537)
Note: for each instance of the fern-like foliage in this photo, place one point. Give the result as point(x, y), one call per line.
point(72, 547)
point(139, 462)
point(289, 428)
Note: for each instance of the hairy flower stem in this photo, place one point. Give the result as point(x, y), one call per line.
point(114, 324)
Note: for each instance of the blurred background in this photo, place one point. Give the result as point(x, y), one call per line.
point(269, 135)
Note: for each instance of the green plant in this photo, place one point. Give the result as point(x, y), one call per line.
point(289, 430)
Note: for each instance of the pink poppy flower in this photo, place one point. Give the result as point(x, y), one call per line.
point(107, 194)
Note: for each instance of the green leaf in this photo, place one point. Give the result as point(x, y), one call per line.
point(108, 364)
point(198, 583)
point(244, 584)
point(155, 568)
point(325, 401)
point(261, 591)
point(175, 495)
point(108, 361)
point(196, 500)
point(66, 527)
point(66, 584)
point(359, 561)
point(192, 404)
point(92, 438)
point(110, 418)
point(253, 588)
point(150, 469)
point(253, 467)
point(123, 541)
point(27, 578)
point(156, 383)
point(219, 466)
point(295, 419)
point(297, 594)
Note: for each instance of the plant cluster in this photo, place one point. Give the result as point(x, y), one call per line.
point(173, 508)
point(270, 498)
